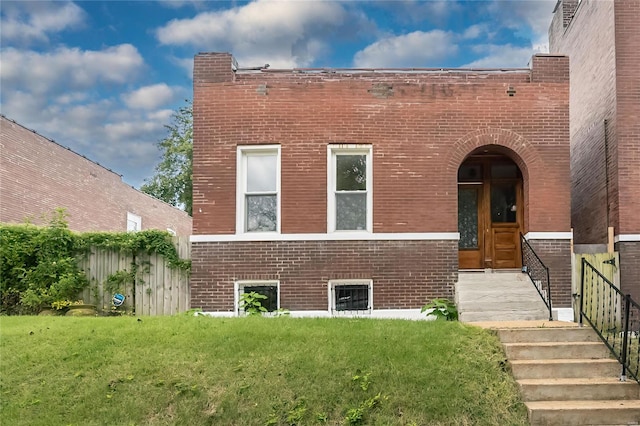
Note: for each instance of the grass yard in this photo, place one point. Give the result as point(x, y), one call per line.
point(251, 371)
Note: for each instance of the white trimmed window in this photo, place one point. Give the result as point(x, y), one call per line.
point(350, 297)
point(350, 183)
point(269, 289)
point(258, 197)
point(134, 222)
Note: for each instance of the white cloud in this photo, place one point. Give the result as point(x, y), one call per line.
point(177, 4)
point(530, 18)
point(71, 98)
point(416, 49)
point(162, 115)
point(149, 97)
point(284, 34)
point(79, 98)
point(185, 63)
point(419, 11)
point(501, 56)
point(103, 130)
point(68, 68)
point(25, 22)
point(475, 31)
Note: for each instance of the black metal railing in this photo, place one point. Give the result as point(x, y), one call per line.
point(614, 316)
point(538, 272)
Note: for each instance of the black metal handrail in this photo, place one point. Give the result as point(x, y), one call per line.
point(614, 316)
point(537, 271)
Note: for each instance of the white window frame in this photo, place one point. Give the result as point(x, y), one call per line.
point(332, 299)
point(348, 149)
point(137, 220)
point(238, 289)
point(243, 151)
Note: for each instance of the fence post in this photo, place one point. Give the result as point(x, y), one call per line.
point(625, 339)
point(582, 290)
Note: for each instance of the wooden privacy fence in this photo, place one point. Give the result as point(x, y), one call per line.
point(150, 287)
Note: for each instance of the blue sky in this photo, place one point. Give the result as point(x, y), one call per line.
point(103, 77)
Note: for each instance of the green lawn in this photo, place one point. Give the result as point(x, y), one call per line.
point(251, 371)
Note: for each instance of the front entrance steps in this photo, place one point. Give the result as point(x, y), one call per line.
point(498, 296)
point(566, 375)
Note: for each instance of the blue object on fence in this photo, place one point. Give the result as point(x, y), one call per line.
point(118, 299)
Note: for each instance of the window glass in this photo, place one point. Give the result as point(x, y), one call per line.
point(351, 297)
point(258, 187)
point(351, 172)
point(503, 203)
point(262, 213)
point(261, 172)
point(504, 170)
point(270, 291)
point(351, 211)
point(134, 222)
point(349, 186)
point(470, 173)
point(468, 218)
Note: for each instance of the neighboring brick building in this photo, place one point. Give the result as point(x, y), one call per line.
point(333, 190)
point(602, 39)
point(37, 176)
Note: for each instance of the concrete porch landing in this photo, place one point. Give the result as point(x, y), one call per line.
point(498, 296)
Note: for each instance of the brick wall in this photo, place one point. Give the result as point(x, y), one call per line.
point(601, 41)
point(627, 40)
point(416, 123)
point(405, 274)
point(593, 100)
point(556, 255)
point(38, 175)
point(421, 125)
point(630, 268)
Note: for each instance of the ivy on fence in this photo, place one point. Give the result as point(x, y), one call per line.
point(39, 266)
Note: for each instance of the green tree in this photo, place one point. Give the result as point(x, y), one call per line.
point(173, 178)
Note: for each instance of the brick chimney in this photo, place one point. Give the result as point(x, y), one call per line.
point(213, 67)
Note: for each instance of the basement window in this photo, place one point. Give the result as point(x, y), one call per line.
point(351, 297)
point(269, 289)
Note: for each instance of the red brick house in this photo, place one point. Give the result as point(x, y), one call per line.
point(37, 175)
point(357, 191)
point(601, 38)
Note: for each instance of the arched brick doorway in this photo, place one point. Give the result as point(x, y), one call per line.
point(491, 209)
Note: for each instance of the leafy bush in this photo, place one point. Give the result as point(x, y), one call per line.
point(251, 303)
point(39, 265)
point(442, 309)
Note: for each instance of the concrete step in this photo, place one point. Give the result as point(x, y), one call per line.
point(564, 413)
point(564, 368)
point(503, 315)
point(506, 296)
point(556, 350)
point(533, 335)
point(574, 389)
